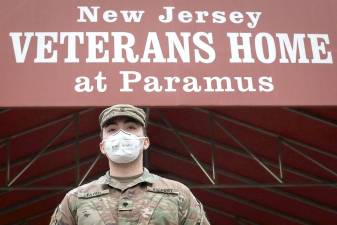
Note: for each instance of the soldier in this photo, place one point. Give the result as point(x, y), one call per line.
point(128, 193)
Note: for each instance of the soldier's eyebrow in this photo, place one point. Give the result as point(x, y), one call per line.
point(131, 120)
point(126, 120)
point(110, 122)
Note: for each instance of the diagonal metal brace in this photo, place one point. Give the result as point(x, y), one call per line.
point(250, 153)
point(186, 147)
point(211, 121)
point(291, 147)
point(41, 152)
point(98, 157)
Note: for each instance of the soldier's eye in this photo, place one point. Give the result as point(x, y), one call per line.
point(132, 127)
point(111, 129)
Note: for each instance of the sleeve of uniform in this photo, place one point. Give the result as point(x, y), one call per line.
point(64, 213)
point(191, 210)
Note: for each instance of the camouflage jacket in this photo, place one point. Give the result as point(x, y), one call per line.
point(149, 199)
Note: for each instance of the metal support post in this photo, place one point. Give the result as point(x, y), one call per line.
point(211, 122)
point(146, 153)
point(8, 163)
point(280, 157)
point(77, 147)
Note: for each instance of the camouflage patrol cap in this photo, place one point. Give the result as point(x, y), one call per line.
point(122, 110)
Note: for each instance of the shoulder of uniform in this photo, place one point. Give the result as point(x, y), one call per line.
point(93, 186)
point(162, 182)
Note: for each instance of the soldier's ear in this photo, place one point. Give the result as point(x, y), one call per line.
point(101, 147)
point(146, 143)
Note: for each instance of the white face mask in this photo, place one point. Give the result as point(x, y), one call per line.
point(122, 147)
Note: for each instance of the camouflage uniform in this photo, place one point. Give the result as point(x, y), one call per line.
point(148, 199)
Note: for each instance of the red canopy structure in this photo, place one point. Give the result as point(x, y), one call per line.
point(259, 163)
point(247, 165)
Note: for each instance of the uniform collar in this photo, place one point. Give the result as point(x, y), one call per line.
point(146, 177)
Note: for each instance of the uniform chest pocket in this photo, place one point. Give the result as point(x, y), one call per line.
point(163, 205)
point(95, 208)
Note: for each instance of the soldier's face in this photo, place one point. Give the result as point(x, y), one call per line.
point(127, 124)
